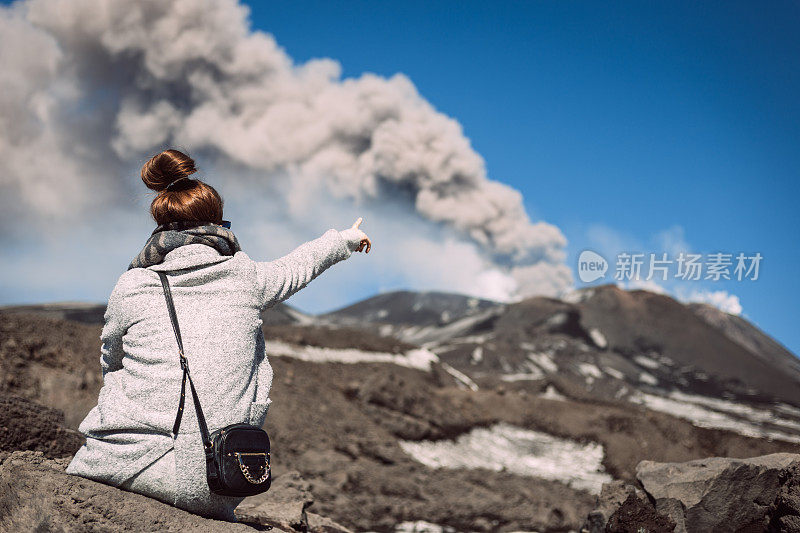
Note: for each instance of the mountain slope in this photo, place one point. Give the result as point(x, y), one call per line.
point(609, 344)
point(351, 407)
point(749, 336)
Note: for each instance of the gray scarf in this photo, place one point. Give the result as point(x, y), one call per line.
point(167, 237)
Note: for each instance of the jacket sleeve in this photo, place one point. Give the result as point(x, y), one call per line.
point(279, 279)
point(262, 401)
point(111, 337)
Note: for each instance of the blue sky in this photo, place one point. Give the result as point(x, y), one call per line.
point(620, 123)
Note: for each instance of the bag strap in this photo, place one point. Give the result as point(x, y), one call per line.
point(201, 420)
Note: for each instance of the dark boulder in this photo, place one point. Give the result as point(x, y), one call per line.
point(722, 494)
point(786, 508)
point(623, 508)
point(636, 514)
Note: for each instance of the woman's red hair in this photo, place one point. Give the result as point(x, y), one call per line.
point(188, 199)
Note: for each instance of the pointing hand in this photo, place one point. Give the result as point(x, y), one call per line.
point(365, 241)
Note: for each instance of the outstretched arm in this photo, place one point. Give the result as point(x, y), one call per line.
point(281, 278)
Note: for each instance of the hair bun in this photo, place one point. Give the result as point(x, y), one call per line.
point(165, 168)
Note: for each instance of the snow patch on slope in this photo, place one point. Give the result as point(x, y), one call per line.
point(589, 370)
point(417, 358)
point(477, 355)
point(544, 361)
point(646, 362)
point(419, 526)
point(522, 376)
point(551, 393)
point(460, 377)
point(517, 450)
point(426, 334)
point(709, 412)
point(650, 379)
point(598, 338)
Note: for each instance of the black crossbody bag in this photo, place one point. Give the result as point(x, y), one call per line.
point(237, 456)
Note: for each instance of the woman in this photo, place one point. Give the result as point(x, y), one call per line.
point(218, 293)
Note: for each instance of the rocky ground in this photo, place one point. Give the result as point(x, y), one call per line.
point(340, 426)
point(37, 495)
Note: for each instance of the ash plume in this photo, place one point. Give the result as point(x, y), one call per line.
point(90, 88)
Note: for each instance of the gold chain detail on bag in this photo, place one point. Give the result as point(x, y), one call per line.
point(246, 470)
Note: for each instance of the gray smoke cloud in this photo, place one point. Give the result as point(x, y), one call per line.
point(90, 88)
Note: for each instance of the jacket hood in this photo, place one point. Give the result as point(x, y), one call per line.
point(189, 256)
